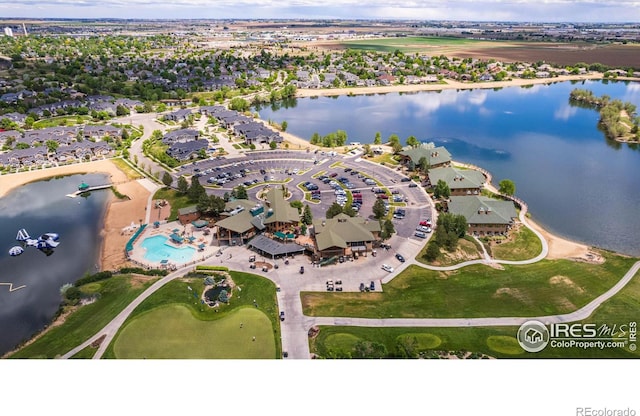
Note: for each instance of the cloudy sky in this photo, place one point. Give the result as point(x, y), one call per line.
point(491, 10)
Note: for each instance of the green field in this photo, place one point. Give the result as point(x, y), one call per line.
point(173, 332)
point(544, 288)
point(182, 297)
point(525, 246)
point(407, 44)
point(115, 294)
point(176, 201)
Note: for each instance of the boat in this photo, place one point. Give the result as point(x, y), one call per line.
point(83, 187)
point(16, 251)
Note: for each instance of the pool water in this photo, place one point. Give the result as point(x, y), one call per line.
point(157, 250)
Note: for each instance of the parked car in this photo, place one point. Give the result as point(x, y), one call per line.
point(282, 315)
point(400, 258)
point(426, 223)
point(387, 268)
point(423, 229)
point(372, 286)
point(301, 269)
point(405, 179)
point(420, 234)
point(413, 185)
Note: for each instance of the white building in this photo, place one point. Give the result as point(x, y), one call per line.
point(8, 32)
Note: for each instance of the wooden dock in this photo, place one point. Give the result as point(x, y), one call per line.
point(89, 189)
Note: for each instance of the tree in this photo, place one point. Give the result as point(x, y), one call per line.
point(284, 126)
point(378, 138)
point(183, 185)
point(387, 229)
point(348, 210)
point(432, 252)
point(378, 209)
point(297, 204)
point(397, 148)
point(52, 145)
point(393, 139)
point(307, 216)
point(334, 209)
point(441, 190)
point(240, 192)
point(423, 164)
point(122, 111)
point(273, 145)
point(167, 179)
point(412, 141)
point(507, 187)
point(195, 190)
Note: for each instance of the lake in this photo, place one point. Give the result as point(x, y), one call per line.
point(577, 184)
point(42, 207)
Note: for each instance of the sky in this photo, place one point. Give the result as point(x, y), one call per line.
point(470, 10)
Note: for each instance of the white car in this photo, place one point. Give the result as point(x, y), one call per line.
point(387, 268)
point(423, 228)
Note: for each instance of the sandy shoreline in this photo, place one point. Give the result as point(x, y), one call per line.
point(448, 85)
point(118, 213)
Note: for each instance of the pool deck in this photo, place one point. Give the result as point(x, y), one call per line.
point(165, 229)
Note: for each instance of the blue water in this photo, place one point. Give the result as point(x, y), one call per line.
point(157, 250)
point(577, 184)
point(42, 207)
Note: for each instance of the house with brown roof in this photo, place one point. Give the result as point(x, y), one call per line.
point(485, 216)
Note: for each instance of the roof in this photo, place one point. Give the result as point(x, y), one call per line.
point(239, 223)
point(483, 210)
point(274, 248)
point(342, 230)
point(282, 211)
point(456, 178)
point(188, 210)
point(435, 155)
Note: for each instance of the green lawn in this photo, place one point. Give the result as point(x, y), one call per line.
point(526, 245)
point(177, 296)
point(406, 44)
point(131, 173)
point(545, 288)
point(499, 342)
point(115, 294)
point(173, 332)
point(467, 250)
point(176, 201)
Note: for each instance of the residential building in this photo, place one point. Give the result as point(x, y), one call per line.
point(460, 182)
point(485, 216)
point(436, 156)
point(343, 235)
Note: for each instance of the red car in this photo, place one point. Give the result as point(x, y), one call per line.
point(426, 223)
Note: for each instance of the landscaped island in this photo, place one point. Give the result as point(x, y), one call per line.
point(617, 119)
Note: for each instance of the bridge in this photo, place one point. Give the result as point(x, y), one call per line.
point(89, 189)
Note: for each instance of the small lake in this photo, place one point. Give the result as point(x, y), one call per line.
point(578, 184)
point(42, 207)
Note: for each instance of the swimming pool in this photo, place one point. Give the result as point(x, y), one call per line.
point(157, 250)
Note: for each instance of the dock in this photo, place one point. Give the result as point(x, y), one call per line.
point(89, 189)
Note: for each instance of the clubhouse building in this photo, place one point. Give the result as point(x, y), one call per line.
point(346, 236)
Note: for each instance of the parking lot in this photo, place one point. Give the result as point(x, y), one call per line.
point(330, 178)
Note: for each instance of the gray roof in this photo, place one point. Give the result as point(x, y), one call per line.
point(342, 229)
point(274, 248)
point(456, 178)
point(483, 210)
point(435, 155)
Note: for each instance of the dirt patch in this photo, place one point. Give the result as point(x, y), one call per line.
point(138, 280)
point(96, 343)
point(565, 281)
point(565, 304)
point(514, 293)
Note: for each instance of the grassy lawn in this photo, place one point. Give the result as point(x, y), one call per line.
point(545, 288)
point(126, 168)
point(115, 294)
point(61, 121)
point(406, 44)
point(205, 321)
point(176, 201)
point(499, 342)
point(524, 245)
point(180, 335)
point(385, 158)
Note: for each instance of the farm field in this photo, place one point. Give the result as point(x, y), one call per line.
point(614, 55)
